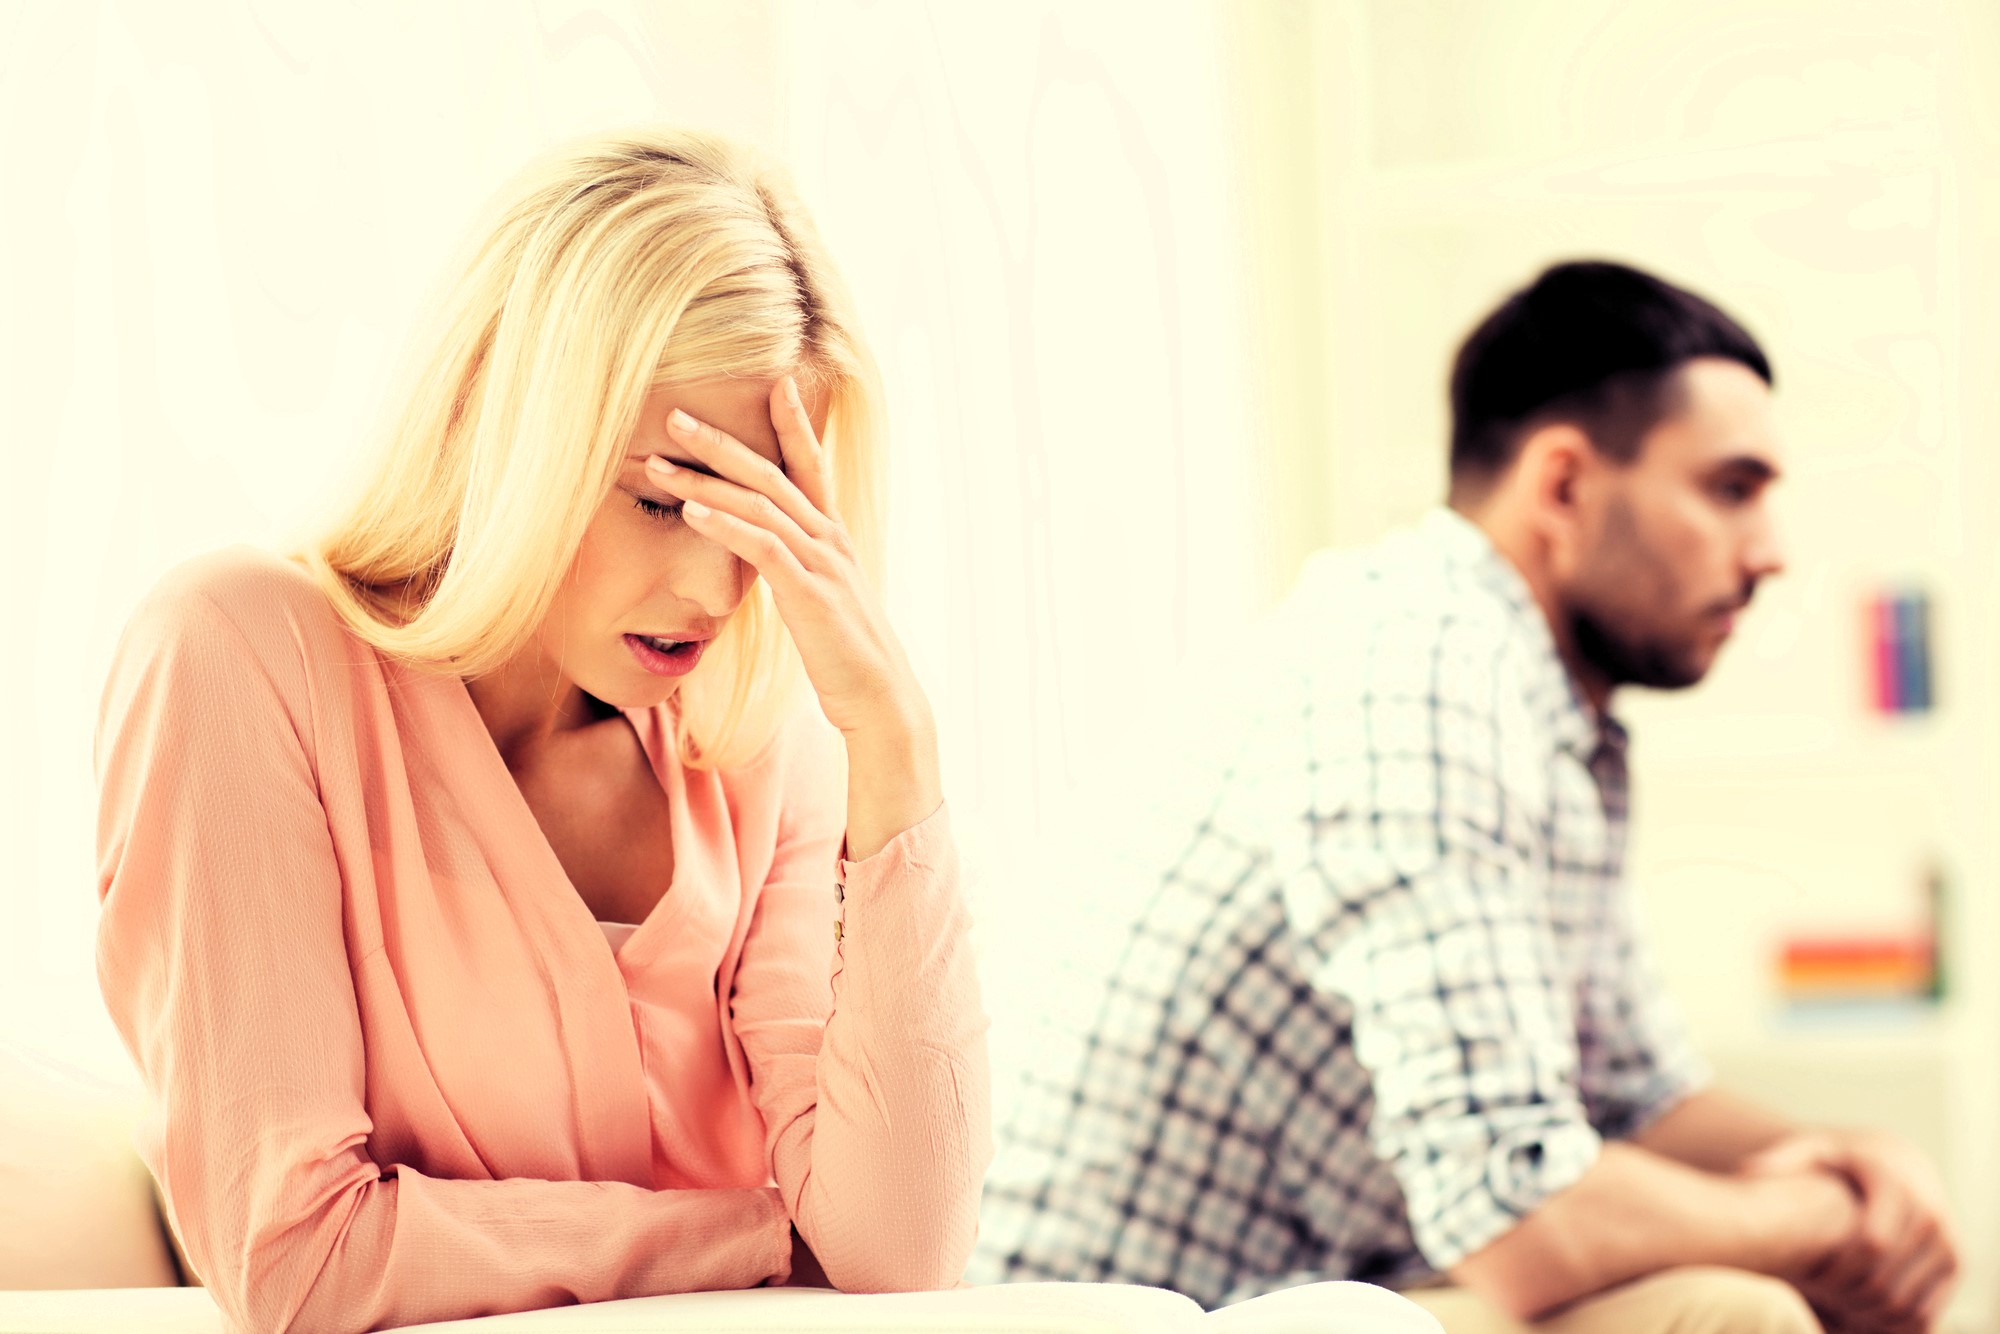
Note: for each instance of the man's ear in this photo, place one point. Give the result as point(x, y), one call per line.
point(1553, 468)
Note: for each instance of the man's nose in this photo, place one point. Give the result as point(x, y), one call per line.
point(1765, 555)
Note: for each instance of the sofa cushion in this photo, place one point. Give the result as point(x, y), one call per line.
point(76, 1204)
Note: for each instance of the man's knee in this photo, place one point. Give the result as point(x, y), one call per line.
point(1734, 1301)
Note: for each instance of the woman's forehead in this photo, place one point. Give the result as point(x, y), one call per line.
point(740, 407)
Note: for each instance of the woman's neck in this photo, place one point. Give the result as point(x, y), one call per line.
point(528, 701)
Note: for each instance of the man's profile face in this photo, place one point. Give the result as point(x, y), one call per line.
point(1681, 536)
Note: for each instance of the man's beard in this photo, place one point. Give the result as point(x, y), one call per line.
point(1627, 658)
point(1611, 630)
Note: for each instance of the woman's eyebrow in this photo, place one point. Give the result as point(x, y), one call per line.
point(692, 465)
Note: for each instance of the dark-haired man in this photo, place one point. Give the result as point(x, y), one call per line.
point(1385, 1014)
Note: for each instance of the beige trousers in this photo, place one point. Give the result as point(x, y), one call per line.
point(1673, 1301)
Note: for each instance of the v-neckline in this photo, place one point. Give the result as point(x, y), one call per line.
point(586, 982)
point(647, 729)
point(655, 739)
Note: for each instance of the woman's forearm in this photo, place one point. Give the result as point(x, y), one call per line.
point(899, 1137)
point(893, 782)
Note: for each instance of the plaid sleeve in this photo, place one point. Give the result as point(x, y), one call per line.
point(1421, 892)
point(1636, 1060)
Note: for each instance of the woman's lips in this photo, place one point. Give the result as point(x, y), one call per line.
point(679, 662)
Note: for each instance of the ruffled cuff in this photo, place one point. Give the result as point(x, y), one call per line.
point(917, 866)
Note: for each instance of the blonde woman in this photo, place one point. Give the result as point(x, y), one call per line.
point(487, 934)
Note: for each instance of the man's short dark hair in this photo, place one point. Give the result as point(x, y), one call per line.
point(1593, 343)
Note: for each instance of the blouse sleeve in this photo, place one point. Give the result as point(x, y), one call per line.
point(225, 961)
point(873, 1089)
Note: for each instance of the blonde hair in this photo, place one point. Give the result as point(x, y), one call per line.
point(613, 266)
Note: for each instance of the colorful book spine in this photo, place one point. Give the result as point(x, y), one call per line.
point(1897, 631)
point(1857, 968)
point(1913, 652)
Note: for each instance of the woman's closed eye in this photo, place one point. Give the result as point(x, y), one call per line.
point(658, 509)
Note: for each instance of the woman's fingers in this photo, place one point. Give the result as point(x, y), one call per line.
point(765, 551)
point(798, 445)
point(736, 462)
point(738, 502)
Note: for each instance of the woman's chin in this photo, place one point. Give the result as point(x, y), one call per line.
point(633, 690)
point(639, 676)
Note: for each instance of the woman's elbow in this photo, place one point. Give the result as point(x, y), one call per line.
point(319, 1273)
point(905, 1259)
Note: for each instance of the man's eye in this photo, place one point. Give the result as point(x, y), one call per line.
point(658, 509)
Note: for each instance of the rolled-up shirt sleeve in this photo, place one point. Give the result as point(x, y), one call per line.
point(1419, 881)
point(1636, 1060)
point(1474, 1063)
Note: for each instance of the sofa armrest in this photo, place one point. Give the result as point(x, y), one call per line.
point(76, 1204)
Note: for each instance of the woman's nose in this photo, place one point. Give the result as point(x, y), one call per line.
point(711, 577)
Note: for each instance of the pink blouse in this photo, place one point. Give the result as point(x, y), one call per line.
point(396, 1070)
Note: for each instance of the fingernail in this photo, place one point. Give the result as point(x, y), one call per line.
point(791, 391)
point(680, 421)
point(694, 509)
point(661, 464)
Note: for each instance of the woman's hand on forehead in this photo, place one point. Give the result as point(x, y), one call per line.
point(779, 517)
point(705, 448)
point(737, 412)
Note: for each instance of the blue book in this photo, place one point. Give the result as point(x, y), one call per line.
point(1913, 652)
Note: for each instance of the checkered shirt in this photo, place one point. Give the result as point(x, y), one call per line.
point(1387, 995)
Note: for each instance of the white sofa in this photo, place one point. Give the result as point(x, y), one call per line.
point(76, 1204)
point(83, 1250)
